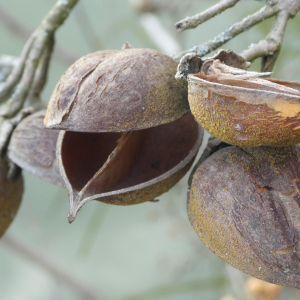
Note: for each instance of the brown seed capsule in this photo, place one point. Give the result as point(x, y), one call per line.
point(132, 91)
point(241, 109)
point(245, 206)
point(10, 197)
point(33, 148)
point(128, 168)
point(114, 91)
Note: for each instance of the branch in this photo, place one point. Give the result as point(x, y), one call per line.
point(7, 63)
point(78, 286)
point(231, 32)
point(24, 73)
point(272, 42)
point(40, 78)
point(268, 48)
point(193, 22)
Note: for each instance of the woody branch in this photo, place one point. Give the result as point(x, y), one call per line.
point(267, 48)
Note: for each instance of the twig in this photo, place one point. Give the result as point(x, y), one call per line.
point(23, 31)
point(25, 71)
point(78, 286)
point(193, 22)
point(272, 42)
point(7, 63)
point(15, 75)
point(231, 32)
point(268, 48)
point(40, 78)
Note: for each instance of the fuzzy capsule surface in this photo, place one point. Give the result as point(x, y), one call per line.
point(10, 197)
point(245, 113)
point(244, 204)
point(117, 91)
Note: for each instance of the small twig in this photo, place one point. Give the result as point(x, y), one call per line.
point(268, 61)
point(271, 43)
point(45, 263)
point(25, 71)
point(268, 48)
point(231, 32)
point(15, 75)
point(7, 63)
point(193, 22)
point(40, 78)
point(16, 101)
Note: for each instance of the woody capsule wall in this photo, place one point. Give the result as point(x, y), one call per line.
point(145, 251)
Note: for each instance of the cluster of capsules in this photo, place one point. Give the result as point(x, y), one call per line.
point(125, 130)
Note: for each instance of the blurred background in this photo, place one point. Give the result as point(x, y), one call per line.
point(143, 252)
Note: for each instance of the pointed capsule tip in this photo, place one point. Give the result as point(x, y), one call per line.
point(70, 220)
point(71, 217)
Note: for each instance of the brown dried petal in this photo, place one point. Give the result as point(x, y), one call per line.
point(10, 197)
point(129, 90)
point(245, 112)
point(128, 168)
point(192, 64)
point(229, 58)
point(33, 148)
point(244, 205)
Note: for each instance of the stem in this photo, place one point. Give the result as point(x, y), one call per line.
point(40, 77)
point(57, 15)
point(231, 32)
point(16, 101)
point(268, 48)
point(272, 42)
point(31, 54)
point(193, 22)
point(15, 75)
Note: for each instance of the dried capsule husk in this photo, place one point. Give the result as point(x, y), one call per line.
point(244, 205)
point(246, 111)
point(10, 196)
point(33, 148)
point(122, 91)
point(126, 168)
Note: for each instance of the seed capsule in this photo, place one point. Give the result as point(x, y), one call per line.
point(10, 197)
point(33, 148)
point(128, 168)
point(239, 108)
point(114, 91)
point(129, 134)
point(245, 205)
